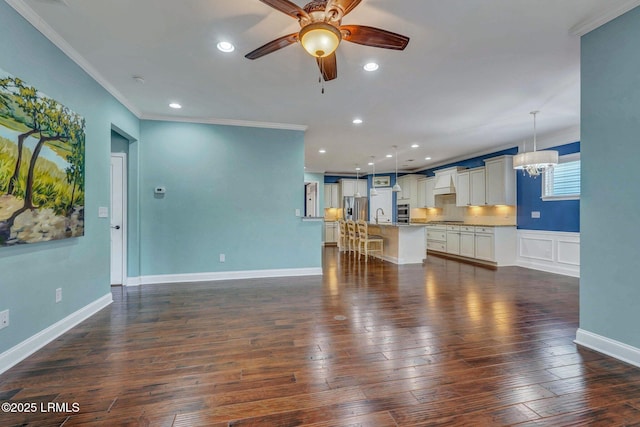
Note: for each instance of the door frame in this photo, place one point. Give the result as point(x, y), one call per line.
point(124, 195)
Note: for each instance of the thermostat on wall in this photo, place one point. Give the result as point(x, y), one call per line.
point(160, 190)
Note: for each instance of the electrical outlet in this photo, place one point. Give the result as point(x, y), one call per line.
point(4, 319)
point(58, 294)
point(222, 258)
point(297, 212)
point(535, 214)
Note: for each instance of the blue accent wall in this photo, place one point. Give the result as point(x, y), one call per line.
point(555, 215)
point(610, 132)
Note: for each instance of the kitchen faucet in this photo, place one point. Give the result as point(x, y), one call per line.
point(381, 210)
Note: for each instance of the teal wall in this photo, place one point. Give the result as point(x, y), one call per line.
point(230, 190)
point(610, 147)
point(30, 274)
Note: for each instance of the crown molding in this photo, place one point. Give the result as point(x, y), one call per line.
point(226, 122)
point(602, 18)
point(34, 19)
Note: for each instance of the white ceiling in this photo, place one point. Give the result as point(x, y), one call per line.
point(465, 85)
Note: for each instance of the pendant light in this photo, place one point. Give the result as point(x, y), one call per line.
point(373, 191)
point(396, 187)
point(535, 162)
point(357, 182)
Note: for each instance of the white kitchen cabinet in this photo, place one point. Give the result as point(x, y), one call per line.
point(477, 187)
point(500, 181)
point(463, 189)
point(331, 199)
point(453, 239)
point(467, 241)
point(437, 238)
point(493, 245)
point(426, 198)
point(331, 232)
point(409, 193)
point(349, 188)
point(484, 243)
point(470, 189)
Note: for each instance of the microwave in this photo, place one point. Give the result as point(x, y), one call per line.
point(402, 214)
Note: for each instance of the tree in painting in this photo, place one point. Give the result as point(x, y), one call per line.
point(42, 147)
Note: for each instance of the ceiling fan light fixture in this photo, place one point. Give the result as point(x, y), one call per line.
point(320, 39)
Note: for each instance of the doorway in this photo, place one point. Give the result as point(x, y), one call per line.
point(118, 218)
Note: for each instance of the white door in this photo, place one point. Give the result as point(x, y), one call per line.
point(118, 218)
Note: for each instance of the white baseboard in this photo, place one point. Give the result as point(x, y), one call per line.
point(604, 345)
point(133, 281)
point(551, 251)
point(222, 275)
point(16, 354)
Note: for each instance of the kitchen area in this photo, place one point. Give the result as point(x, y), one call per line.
point(468, 214)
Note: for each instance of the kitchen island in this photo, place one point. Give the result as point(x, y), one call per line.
point(403, 243)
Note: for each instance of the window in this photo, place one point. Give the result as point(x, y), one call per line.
point(563, 181)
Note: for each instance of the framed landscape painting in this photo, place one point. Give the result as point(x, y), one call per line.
point(42, 146)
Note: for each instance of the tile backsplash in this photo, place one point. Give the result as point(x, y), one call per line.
point(448, 211)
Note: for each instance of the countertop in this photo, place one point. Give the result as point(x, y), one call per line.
point(472, 224)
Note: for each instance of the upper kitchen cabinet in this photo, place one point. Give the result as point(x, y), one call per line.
point(500, 181)
point(426, 198)
point(409, 193)
point(331, 199)
point(349, 187)
point(471, 188)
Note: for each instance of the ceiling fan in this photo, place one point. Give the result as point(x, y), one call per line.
point(321, 31)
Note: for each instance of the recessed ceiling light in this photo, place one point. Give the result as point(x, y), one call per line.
point(322, 151)
point(358, 169)
point(371, 66)
point(415, 146)
point(427, 158)
point(226, 47)
point(389, 156)
point(370, 163)
point(175, 105)
point(357, 121)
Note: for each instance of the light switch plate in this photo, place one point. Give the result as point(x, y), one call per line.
point(103, 212)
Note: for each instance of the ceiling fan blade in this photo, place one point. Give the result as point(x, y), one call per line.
point(328, 67)
point(376, 37)
point(346, 5)
point(285, 6)
point(272, 46)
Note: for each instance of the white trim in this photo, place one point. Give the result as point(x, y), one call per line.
point(604, 345)
point(34, 19)
point(549, 257)
point(124, 193)
point(605, 16)
point(221, 275)
point(133, 281)
point(226, 122)
point(26, 348)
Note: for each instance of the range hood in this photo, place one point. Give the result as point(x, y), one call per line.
point(446, 181)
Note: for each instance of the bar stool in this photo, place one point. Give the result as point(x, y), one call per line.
point(368, 244)
point(342, 236)
point(352, 237)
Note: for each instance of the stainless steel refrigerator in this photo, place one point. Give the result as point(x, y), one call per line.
point(355, 208)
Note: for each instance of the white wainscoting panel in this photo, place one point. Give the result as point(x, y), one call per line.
point(552, 251)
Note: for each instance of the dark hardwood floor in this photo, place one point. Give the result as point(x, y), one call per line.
point(441, 344)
